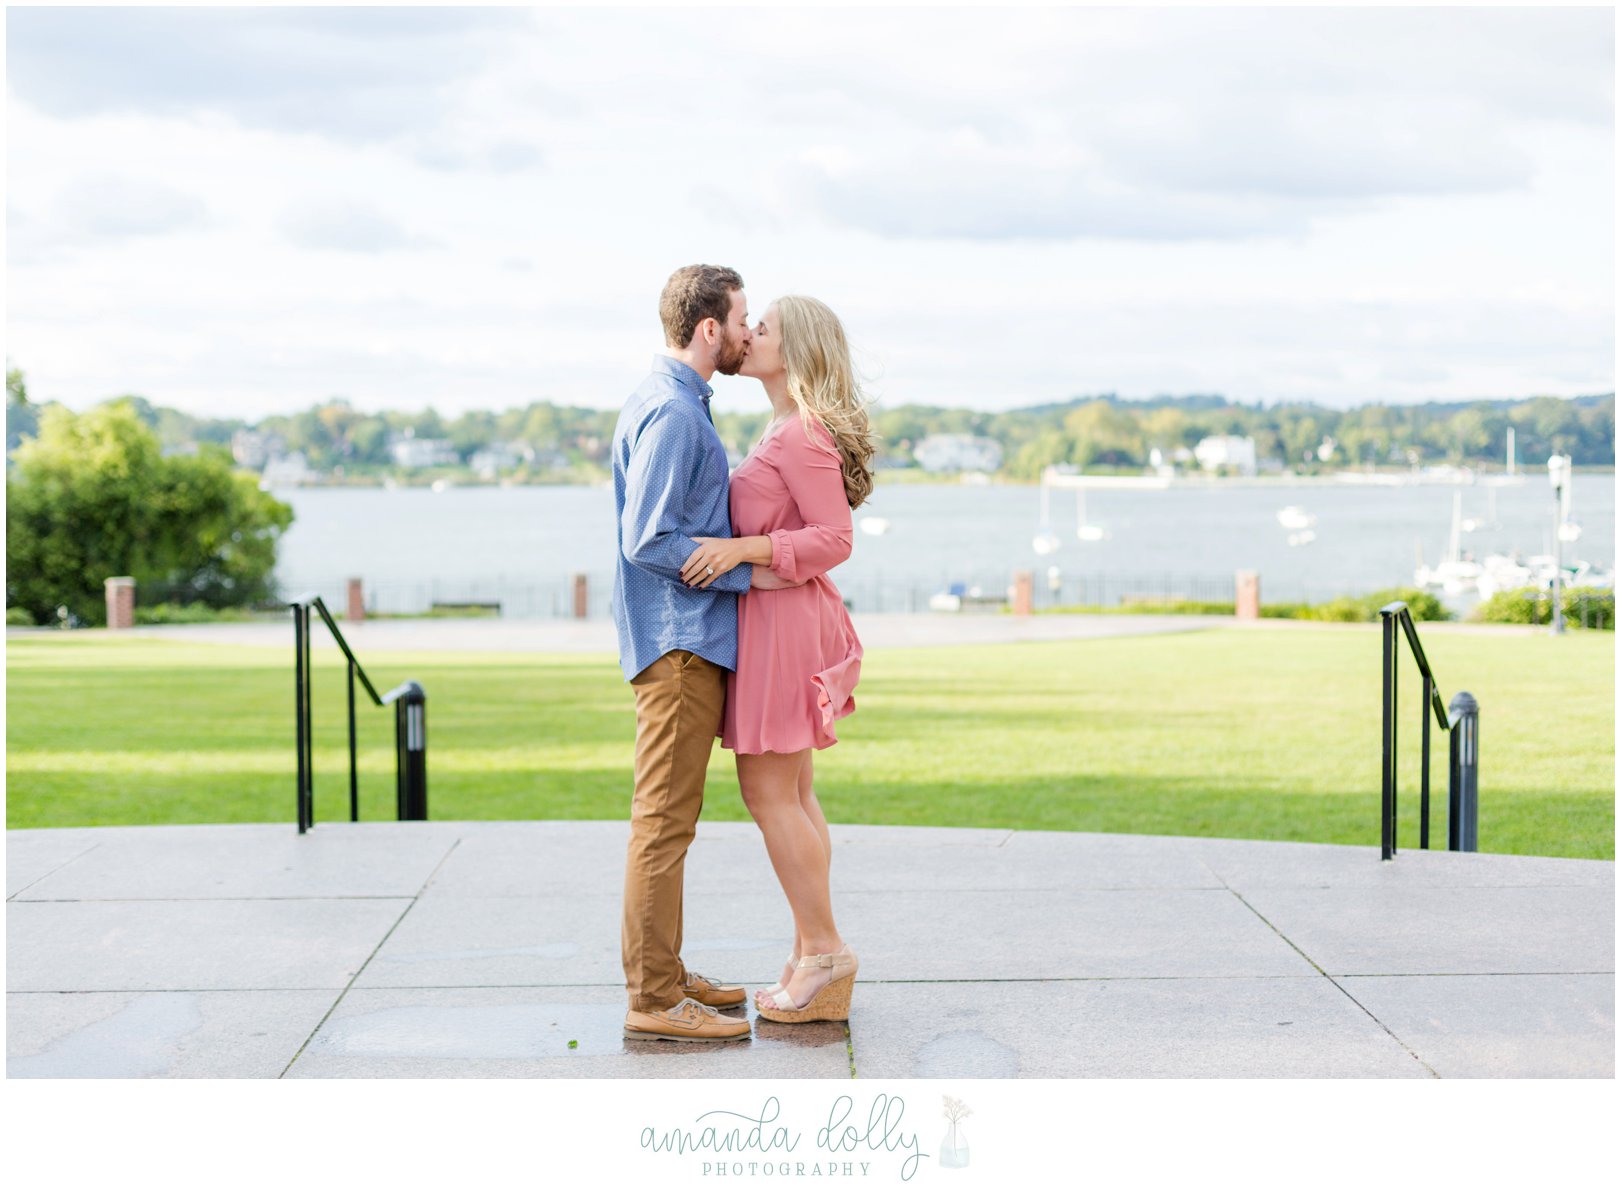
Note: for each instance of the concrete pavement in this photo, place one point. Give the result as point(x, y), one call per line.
point(597, 635)
point(875, 630)
point(481, 949)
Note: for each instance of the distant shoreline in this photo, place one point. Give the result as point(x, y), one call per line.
point(1388, 477)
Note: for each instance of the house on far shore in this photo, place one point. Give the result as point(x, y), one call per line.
point(1227, 451)
point(958, 452)
point(500, 456)
point(253, 449)
point(408, 450)
point(289, 470)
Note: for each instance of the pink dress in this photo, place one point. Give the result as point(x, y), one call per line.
point(798, 658)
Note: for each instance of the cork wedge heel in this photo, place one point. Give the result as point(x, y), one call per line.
point(831, 1002)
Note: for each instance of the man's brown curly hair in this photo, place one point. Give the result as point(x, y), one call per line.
point(692, 294)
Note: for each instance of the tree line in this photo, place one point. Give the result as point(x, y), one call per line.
point(1089, 432)
point(1108, 432)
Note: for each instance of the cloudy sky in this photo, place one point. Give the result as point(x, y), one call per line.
point(239, 212)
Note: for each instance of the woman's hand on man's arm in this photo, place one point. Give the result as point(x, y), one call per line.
point(715, 556)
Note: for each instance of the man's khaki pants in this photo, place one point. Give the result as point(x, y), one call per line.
point(679, 700)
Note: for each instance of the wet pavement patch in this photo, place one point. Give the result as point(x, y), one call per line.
point(137, 1041)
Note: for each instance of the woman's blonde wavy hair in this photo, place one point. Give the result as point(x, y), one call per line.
point(822, 384)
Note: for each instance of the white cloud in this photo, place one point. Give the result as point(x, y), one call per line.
point(1006, 207)
point(965, 186)
point(96, 210)
point(111, 207)
point(505, 156)
point(355, 74)
point(347, 226)
point(1201, 126)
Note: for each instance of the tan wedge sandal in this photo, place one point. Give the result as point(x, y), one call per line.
point(831, 1002)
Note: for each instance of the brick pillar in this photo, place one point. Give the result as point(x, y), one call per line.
point(581, 597)
point(120, 603)
point(1024, 583)
point(355, 612)
point(1247, 589)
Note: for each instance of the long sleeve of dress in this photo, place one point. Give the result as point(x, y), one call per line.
point(812, 471)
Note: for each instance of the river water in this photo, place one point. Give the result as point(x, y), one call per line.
point(521, 545)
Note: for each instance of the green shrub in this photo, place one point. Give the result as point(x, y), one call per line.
point(442, 611)
point(1526, 605)
point(18, 617)
point(1533, 605)
point(1156, 606)
point(1365, 608)
point(1284, 610)
point(165, 613)
point(1171, 605)
point(92, 496)
point(1345, 609)
point(1421, 603)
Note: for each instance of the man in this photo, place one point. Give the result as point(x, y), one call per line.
point(676, 642)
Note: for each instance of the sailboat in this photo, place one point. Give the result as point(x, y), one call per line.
point(1472, 524)
point(1046, 541)
point(1452, 574)
point(1569, 530)
point(1083, 530)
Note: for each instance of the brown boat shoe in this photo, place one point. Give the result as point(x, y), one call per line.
point(711, 993)
point(688, 1020)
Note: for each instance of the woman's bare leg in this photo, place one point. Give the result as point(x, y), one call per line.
point(813, 807)
point(771, 784)
point(813, 810)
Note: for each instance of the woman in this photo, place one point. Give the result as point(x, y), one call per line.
point(798, 656)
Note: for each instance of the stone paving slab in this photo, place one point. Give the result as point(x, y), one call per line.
point(31, 855)
point(1189, 1027)
point(159, 1034)
point(1249, 865)
point(543, 859)
point(1061, 934)
point(487, 1032)
point(176, 945)
point(1024, 862)
point(1485, 1026)
point(540, 941)
point(243, 862)
point(1430, 930)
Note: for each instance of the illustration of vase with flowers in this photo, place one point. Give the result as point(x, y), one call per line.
point(954, 1147)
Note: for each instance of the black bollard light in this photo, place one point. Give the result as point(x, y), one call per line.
point(1463, 798)
point(411, 746)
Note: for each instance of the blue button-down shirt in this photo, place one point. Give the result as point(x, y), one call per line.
point(670, 485)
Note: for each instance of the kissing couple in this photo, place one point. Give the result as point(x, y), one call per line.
point(729, 625)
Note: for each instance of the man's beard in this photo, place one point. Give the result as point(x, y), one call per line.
point(732, 353)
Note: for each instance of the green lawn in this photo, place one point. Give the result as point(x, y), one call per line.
point(1247, 734)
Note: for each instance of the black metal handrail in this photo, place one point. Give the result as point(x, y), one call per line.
point(410, 724)
point(1461, 719)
